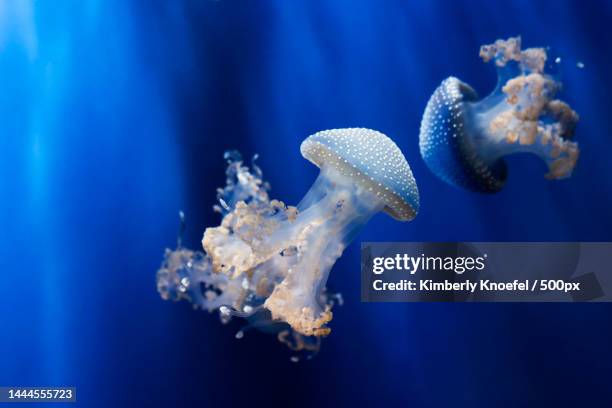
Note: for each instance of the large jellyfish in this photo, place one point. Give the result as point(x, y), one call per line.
point(463, 139)
point(291, 250)
point(270, 262)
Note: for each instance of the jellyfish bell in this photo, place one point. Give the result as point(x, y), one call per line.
point(371, 160)
point(463, 139)
point(362, 172)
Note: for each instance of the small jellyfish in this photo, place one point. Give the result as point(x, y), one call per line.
point(287, 252)
point(463, 139)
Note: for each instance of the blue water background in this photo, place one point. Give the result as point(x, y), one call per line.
point(114, 115)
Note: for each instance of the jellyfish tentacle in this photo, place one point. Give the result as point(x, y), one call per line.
point(187, 275)
point(343, 210)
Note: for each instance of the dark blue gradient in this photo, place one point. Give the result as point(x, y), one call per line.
point(115, 114)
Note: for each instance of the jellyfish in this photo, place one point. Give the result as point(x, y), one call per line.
point(287, 252)
point(463, 139)
point(269, 262)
